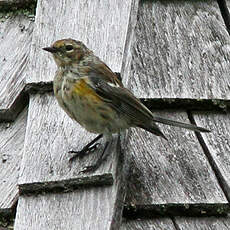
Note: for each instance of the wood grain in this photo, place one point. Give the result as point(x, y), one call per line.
point(170, 172)
point(208, 223)
point(101, 25)
point(181, 51)
point(216, 143)
point(11, 148)
point(92, 208)
point(50, 135)
point(15, 43)
point(149, 224)
point(45, 168)
point(81, 20)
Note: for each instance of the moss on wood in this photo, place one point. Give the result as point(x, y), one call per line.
point(11, 9)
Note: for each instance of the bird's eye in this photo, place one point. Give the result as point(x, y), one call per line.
point(69, 47)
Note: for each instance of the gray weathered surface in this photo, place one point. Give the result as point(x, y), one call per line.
point(148, 224)
point(92, 208)
point(173, 171)
point(101, 25)
point(50, 135)
point(181, 51)
point(11, 148)
point(208, 223)
point(217, 143)
point(173, 57)
point(81, 20)
point(15, 43)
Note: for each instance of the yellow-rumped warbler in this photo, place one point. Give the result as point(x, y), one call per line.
point(91, 94)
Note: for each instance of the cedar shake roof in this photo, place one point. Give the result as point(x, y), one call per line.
point(174, 55)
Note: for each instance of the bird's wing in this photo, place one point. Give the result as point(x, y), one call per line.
point(120, 98)
point(101, 71)
point(125, 102)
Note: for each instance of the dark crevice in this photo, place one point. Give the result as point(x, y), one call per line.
point(175, 223)
point(67, 185)
point(10, 114)
point(220, 105)
point(18, 6)
point(224, 186)
point(225, 13)
point(133, 211)
point(39, 87)
point(7, 217)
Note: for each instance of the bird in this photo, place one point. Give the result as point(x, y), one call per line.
point(92, 94)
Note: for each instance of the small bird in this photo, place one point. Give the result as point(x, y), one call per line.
point(92, 94)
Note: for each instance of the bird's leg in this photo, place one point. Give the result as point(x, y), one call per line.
point(102, 158)
point(90, 147)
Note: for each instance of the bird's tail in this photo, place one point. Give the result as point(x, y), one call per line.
point(153, 128)
point(179, 124)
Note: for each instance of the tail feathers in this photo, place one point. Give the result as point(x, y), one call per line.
point(180, 124)
point(153, 128)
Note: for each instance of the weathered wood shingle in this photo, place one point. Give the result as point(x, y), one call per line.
point(171, 172)
point(149, 224)
point(101, 25)
point(50, 133)
point(11, 151)
point(181, 51)
point(216, 145)
point(177, 50)
point(181, 223)
point(15, 41)
point(202, 223)
point(176, 55)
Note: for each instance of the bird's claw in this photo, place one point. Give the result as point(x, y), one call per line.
point(76, 154)
point(89, 168)
point(92, 148)
point(83, 152)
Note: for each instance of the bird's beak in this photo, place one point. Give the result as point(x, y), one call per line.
point(51, 49)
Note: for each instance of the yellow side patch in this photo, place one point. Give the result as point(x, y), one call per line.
point(82, 89)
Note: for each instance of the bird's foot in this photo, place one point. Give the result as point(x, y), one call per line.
point(85, 151)
point(89, 168)
point(94, 167)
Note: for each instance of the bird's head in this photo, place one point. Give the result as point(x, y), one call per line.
point(67, 51)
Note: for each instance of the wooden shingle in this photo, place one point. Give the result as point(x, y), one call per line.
point(216, 145)
point(15, 43)
point(15, 35)
point(11, 150)
point(149, 224)
point(172, 54)
point(50, 134)
point(167, 63)
point(203, 223)
point(181, 51)
point(165, 173)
